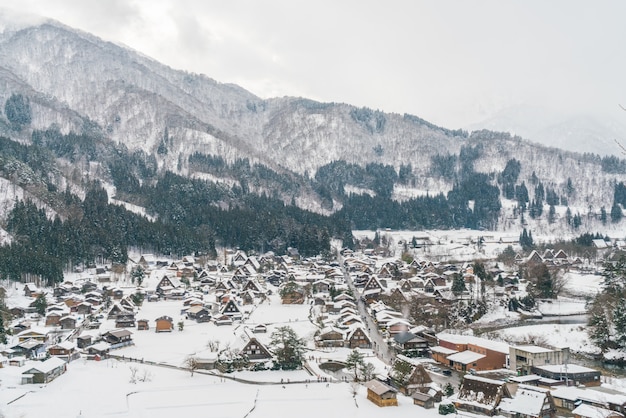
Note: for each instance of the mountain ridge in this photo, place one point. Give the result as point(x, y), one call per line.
point(77, 82)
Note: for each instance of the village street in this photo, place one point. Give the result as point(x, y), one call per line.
point(380, 348)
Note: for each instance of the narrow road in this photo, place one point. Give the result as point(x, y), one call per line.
point(379, 346)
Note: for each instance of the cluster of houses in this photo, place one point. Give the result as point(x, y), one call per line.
point(498, 379)
point(539, 380)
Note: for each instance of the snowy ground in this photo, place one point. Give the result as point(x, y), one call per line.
point(102, 389)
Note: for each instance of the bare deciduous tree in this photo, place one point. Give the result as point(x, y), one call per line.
point(192, 364)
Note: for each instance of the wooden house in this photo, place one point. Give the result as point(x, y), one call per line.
point(254, 350)
point(197, 313)
point(143, 325)
point(381, 394)
point(480, 395)
point(116, 310)
point(31, 349)
point(358, 338)
point(418, 380)
point(84, 340)
point(410, 344)
point(293, 295)
point(164, 324)
point(590, 411)
point(53, 318)
point(31, 291)
point(126, 320)
point(528, 402)
point(253, 285)
point(35, 334)
point(330, 337)
point(231, 309)
point(398, 325)
point(223, 320)
point(259, 328)
point(118, 338)
point(65, 350)
point(68, 322)
point(423, 399)
point(45, 371)
point(83, 308)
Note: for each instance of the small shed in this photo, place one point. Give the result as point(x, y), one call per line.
point(423, 399)
point(143, 325)
point(381, 394)
point(164, 324)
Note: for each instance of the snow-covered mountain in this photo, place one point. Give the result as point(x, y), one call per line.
point(77, 82)
point(574, 132)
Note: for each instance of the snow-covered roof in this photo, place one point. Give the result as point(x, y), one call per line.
point(528, 401)
point(535, 349)
point(466, 357)
point(565, 368)
point(470, 339)
point(46, 366)
point(588, 411)
point(442, 350)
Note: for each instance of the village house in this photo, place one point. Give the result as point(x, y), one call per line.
point(232, 310)
point(480, 395)
point(30, 349)
point(164, 324)
point(358, 338)
point(143, 325)
point(588, 411)
point(570, 374)
point(473, 353)
point(528, 402)
point(254, 350)
point(126, 320)
point(118, 338)
point(423, 399)
point(522, 358)
point(381, 394)
point(418, 381)
point(68, 322)
point(570, 397)
point(39, 334)
point(330, 337)
point(44, 371)
point(409, 344)
point(65, 350)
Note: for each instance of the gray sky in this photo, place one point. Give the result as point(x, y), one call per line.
point(452, 62)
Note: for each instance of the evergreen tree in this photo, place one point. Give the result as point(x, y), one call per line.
point(355, 363)
point(41, 304)
point(616, 213)
point(3, 331)
point(458, 284)
point(603, 215)
point(551, 214)
point(288, 348)
point(526, 240)
point(137, 274)
point(598, 327)
point(17, 111)
point(401, 371)
point(619, 322)
point(568, 216)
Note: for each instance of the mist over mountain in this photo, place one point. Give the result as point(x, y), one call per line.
point(574, 132)
point(187, 153)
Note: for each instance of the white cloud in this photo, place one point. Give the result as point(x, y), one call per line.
point(451, 61)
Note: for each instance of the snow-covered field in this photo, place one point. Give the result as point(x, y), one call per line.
point(102, 389)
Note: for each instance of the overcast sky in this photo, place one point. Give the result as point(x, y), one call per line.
point(450, 62)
